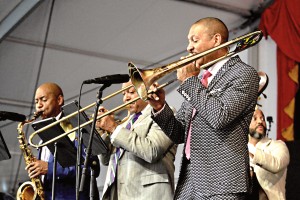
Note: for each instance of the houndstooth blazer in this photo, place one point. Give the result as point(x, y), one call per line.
point(219, 153)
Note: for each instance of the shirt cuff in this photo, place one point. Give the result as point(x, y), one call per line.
point(158, 112)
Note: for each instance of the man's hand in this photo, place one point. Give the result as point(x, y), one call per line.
point(106, 123)
point(157, 98)
point(187, 71)
point(37, 168)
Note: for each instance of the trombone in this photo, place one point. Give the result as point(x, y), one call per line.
point(142, 79)
point(88, 122)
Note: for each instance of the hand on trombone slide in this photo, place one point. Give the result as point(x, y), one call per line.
point(157, 97)
point(106, 123)
point(187, 71)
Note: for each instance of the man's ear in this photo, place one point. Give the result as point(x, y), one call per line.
point(217, 39)
point(60, 100)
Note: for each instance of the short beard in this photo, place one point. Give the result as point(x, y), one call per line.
point(257, 135)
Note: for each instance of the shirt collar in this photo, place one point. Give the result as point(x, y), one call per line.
point(216, 67)
point(58, 116)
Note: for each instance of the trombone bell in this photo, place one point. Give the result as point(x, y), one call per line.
point(139, 80)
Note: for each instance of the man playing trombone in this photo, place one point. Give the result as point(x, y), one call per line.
point(213, 120)
point(141, 157)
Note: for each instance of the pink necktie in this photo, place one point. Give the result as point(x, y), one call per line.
point(204, 82)
point(188, 141)
point(205, 77)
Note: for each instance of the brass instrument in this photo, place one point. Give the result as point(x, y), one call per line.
point(100, 131)
point(29, 190)
point(86, 123)
point(263, 83)
point(142, 79)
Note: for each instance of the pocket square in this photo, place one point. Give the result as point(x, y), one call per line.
point(215, 92)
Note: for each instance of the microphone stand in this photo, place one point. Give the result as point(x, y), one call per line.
point(78, 167)
point(89, 147)
point(270, 120)
point(54, 170)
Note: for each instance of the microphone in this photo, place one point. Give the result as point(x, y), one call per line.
point(110, 79)
point(12, 116)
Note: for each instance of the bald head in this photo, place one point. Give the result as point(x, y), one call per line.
point(51, 88)
point(49, 99)
point(214, 26)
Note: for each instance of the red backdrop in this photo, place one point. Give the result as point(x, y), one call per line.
point(281, 21)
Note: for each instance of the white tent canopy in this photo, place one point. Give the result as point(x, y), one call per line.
point(77, 40)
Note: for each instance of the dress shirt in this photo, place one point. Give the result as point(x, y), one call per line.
point(45, 152)
point(214, 69)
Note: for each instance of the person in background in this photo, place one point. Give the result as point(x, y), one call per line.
point(269, 160)
point(49, 99)
point(213, 120)
point(141, 158)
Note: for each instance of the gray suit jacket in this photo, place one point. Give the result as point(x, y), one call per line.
point(219, 153)
point(146, 168)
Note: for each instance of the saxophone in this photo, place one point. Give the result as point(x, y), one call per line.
point(29, 190)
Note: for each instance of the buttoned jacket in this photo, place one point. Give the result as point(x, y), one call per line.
point(219, 155)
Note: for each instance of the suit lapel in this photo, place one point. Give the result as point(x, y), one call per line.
point(145, 113)
point(221, 72)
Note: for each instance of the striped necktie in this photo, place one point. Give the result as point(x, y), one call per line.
point(134, 118)
point(119, 151)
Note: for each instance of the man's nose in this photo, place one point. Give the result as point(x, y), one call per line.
point(190, 48)
point(39, 105)
point(126, 97)
point(259, 121)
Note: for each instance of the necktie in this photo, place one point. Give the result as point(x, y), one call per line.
point(134, 118)
point(204, 82)
point(188, 141)
point(205, 77)
point(119, 151)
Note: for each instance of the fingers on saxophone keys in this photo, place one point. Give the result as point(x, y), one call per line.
point(29, 166)
point(33, 174)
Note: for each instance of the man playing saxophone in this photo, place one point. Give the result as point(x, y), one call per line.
point(49, 99)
